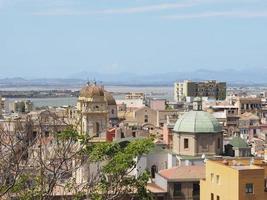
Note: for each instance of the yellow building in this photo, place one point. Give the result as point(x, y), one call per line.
point(241, 179)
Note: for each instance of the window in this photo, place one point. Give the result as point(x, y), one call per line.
point(186, 143)
point(122, 135)
point(134, 134)
point(211, 196)
point(218, 197)
point(146, 118)
point(112, 112)
point(217, 179)
point(212, 177)
point(249, 188)
point(177, 189)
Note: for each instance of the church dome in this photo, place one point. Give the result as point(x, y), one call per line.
point(110, 99)
point(92, 90)
point(197, 122)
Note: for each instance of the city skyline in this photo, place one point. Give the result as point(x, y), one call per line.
point(58, 39)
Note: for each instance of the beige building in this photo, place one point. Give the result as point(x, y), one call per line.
point(23, 106)
point(157, 118)
point(187, 90)
point(197, 132)
point(145, 115)
point(227, 116)
point(249, 104)
point(177, 183)
point(96, 108)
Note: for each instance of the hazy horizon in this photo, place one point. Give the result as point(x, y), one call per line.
point(61, 38)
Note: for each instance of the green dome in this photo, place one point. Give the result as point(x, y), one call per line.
point(238, 142)
point(197, 122)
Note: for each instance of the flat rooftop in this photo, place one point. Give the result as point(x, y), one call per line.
point(245, 167)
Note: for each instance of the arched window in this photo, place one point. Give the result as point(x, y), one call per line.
point(97, 129)
point(154, 170)
point(112, 111)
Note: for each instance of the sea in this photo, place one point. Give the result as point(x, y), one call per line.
point(165, 92)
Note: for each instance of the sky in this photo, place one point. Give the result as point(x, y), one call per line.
point(61, 38)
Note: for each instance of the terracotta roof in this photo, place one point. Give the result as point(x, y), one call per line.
point(185, 173)
point(153, 188)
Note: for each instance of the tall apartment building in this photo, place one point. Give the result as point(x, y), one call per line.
point(23, 106)
point(187, 90)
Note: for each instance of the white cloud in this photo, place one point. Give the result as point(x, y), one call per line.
point(130, 10)
point(236, 14)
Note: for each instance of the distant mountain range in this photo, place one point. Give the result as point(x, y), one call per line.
point(249, 76)
point(232, 77)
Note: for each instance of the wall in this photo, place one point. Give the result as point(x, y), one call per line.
point(178, 144)
point(139, 116)
point(227, 188)
point(161, 182)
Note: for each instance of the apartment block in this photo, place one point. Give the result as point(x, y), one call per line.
point(187, 90)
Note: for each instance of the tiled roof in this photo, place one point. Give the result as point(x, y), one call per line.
point(184, 173)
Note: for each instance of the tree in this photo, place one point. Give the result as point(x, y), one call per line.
point(42, 157)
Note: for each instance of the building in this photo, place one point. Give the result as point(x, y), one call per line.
point(249, 104)
point(197, 132)
point(145, 115)
point(135, 95)
point(96, 109)
point(187, 90)
point(249, 125)
point(24, 106)
point(228, 117)
point(112, 108)
point(157, 104)
point(178, 183)
point(234, 180)
point(130, 104)
point(238, 147)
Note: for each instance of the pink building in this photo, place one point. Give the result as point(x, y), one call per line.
point(158, 104)
point(167, 134)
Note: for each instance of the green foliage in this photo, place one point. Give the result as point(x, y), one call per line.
point(119, 163)
point(103, 151)
point(69, 134)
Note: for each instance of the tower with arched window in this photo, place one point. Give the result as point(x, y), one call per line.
point(93, 110)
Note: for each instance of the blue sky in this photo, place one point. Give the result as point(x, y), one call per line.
point(58, 38)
